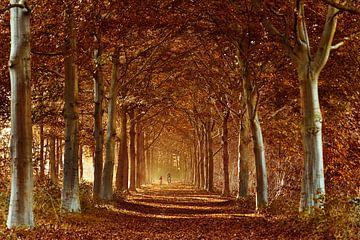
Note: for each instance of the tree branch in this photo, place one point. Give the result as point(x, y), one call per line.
point(323, 51)
point(342, 7)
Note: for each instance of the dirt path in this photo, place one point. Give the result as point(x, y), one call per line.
point(174, 211)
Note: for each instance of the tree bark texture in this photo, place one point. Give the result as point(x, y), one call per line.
point(98, 118)
point(21, 197)
point(70, 192)
point(123, 162)
point(107, 176)
point(308, 69)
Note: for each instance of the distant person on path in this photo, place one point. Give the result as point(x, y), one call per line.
point(169, 178)
point(160, 180)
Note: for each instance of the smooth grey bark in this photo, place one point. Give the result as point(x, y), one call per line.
point(132, 186)
point(108, 170)
point(21, 197)
point(70, 201)
point(98, 118)
point(262, 199)
point(225, 152)
point(308, 69)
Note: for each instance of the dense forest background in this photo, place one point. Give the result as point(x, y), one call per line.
point(156, 78)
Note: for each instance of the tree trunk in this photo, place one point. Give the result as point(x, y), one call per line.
point(244, 141)
point(107, 176)
point(225, 148)
point(206, 158)
point(98, 116)
point(122, 172)
point(70, 192)
point(21, 196)
point(132, 151)
point(210, 186)
point(42, 160)
point(258, 144)
point(313, 184)
point(201, 161)
point(81, 167)
point(308, 69)
point(139, 156)
point(52, 167)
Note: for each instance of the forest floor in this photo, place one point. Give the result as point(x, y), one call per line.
point(174, 211)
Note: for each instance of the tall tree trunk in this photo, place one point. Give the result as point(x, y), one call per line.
point(210, 186)
point(98, 116)
point(21, 196)
point(61, 162)
point(107, 176)
point(42, 160)
point(132, 151)
point(139, 156)
point(308, 69)
point(225, 148)
point(70, 193)
point(122, 172)
point(243, 154)
point(258, 144)
point(52, 157)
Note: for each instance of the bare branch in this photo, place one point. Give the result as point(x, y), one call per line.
point(327, 37)
point(342, 7)
point(336, 46)
point(47, 53)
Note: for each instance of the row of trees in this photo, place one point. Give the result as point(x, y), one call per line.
point(207, 61)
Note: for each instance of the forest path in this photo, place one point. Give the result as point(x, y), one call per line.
point(166, 212)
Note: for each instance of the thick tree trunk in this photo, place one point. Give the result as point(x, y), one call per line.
point(132, 151)
point(313, 183)
point(70, 192)
point(52, 157)
point(309, 68)
point(243, 157)
point(124, 160)
point(225, 149)
point(108, 171)
point(21, 196)
point(210, 186)
point(98, 116)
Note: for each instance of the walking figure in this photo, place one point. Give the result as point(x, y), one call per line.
point(160, 180)
point(169, 178)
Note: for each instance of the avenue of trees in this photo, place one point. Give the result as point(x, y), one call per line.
point(248, 98)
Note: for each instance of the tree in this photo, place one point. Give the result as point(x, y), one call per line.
point(309, 66)
point(70, 201)
point(21, 198)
